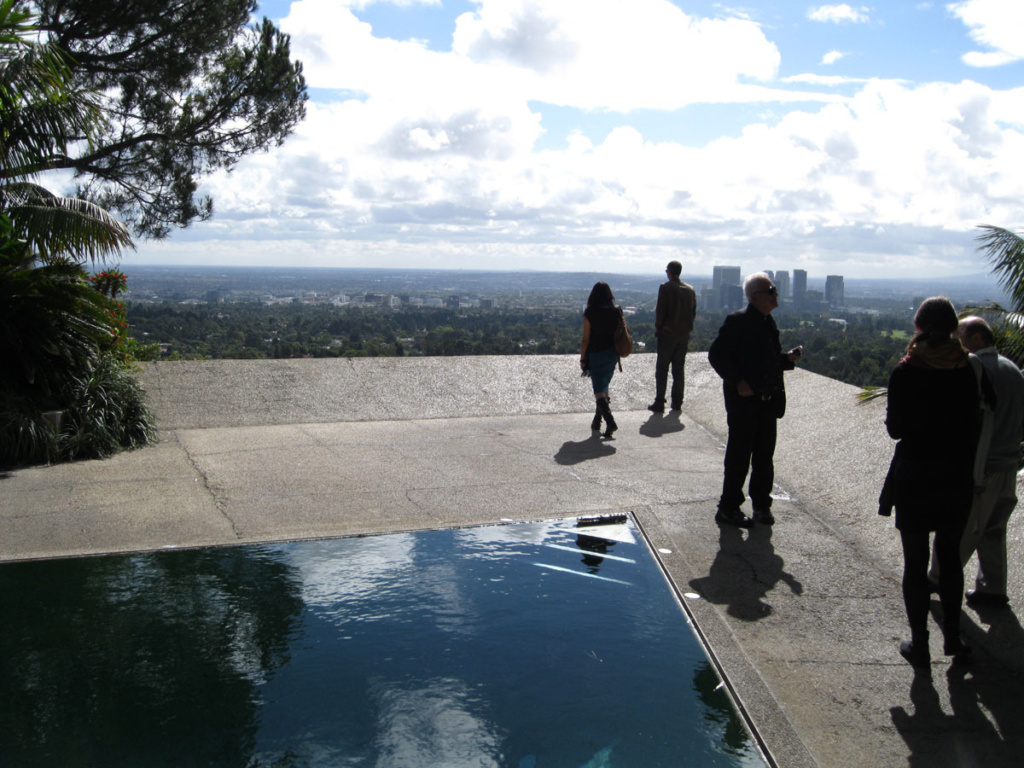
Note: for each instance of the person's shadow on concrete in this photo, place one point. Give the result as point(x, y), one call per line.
point(984, 696)
point(983, 728)
point(998, 630)
point(662, 424)
point(744, 571)
point(575, 452)
point(921, 728)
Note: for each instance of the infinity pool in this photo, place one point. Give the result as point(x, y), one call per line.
point(528, 646)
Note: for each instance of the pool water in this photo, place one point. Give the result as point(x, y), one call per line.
point(527, 645)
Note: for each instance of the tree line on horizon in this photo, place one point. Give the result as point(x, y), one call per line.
point(861, 353)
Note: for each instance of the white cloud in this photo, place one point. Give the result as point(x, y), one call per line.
point(631, 54)
point(438, 160)
point(832, 57)
point(994, 24)
point(838, 14)
point(904, 159)
point(823, 80)
point(362, 4)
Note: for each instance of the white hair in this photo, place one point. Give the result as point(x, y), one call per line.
point(751, 283)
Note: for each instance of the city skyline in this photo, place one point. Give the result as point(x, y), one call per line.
point(564, 136)
point(725, 290)
point(281, 281)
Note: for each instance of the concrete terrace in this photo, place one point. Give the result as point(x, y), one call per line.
point(804, 618)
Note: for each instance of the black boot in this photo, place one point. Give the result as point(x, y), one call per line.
point(952, 644)
point(916, 650)
point(595, 425)
point(606, 411)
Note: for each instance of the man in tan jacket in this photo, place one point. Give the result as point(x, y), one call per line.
point(673, 324)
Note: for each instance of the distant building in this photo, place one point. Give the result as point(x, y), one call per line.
point(814, 301)
point(834, 290)
point(708, 298)
point(782, 282)
point(799, 286)
point(214, 297)
point(771, 275)
point(731, 297)
point(452, 302)
point(725, 276)
point(486, 303)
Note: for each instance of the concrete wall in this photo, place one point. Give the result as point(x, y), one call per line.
point(832, 453)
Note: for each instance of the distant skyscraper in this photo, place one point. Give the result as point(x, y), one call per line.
point(834, 290)
point(799, 285)
point(731, 297)
point(771, 275)
point(725, 276)
point(782, 282)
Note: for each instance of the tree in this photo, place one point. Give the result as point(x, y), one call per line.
point(1005, 252)
point(51, 320)
point(188, 88)
point(56, 329)
point(41, 114)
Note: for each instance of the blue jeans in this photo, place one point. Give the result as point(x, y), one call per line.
point(602, 368)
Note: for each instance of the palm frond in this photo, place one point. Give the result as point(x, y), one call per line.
point(867, 394)
point(1005, 252)
point(55, 227)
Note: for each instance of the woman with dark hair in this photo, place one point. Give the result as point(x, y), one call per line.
point(598, 357)
point(933, 411)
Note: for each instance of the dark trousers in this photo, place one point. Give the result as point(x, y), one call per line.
point(671, 356)
point(916, 587)
point(753, 426)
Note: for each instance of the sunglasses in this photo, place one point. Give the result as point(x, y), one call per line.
point(773, 290)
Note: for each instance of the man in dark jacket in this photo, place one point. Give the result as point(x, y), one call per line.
point(673, 324)
point(749, 358)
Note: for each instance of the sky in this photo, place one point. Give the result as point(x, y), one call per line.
point(615, 135)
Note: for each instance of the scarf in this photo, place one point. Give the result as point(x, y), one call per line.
point(944, 355)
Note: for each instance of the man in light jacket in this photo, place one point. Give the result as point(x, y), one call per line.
point(996, 499)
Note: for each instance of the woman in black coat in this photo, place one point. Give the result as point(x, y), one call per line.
point(933, 411)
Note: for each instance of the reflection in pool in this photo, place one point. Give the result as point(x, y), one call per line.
point(529, 645)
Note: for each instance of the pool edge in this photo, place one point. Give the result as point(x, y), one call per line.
point(763, 715)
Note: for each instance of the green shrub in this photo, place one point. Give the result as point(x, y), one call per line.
point(63, 349)
point(25, 437)
point(104, 412)
point(107, 412)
